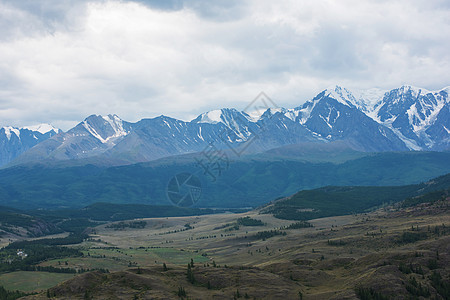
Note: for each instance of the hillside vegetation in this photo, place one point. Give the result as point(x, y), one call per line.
point(346, 257)
point(247, 182)
point(333, 201)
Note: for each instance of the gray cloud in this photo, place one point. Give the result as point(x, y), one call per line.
point(63, 60)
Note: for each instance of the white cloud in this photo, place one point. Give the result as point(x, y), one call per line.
point(62, 62)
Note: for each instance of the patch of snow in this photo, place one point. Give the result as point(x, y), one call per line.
point(415, 90)
point(199, 134)
point(275, 110)
point(329, 125)
point(329, 115)
point(374, 110)
point(370, 98)
point(292, 114)
point(255, 115)
point(231, 119)
point(10, 130)
point(383, 133)
point(211, 117)
point(42, 128)
point(93, 132)
point(448, 131)
point(342, 95)
point(430, 111)
point(411, 144)
point(305, 112)
point(116, 124)
point(447, 90)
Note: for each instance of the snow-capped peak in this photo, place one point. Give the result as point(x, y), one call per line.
point(415, 90)
point(401, 93)
point(116, 124)
point(235, 120)
point(255, 115)
point(342, 95)
point(446, 89)
point(103, 134)
point(290, 113)
point(211, 117)
point(224, 115)
point(347, 97)
point(273, 111)
point(42, 128)
point(370, 96)
point(11, 130)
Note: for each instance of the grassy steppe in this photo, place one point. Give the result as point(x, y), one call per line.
point(32, 281)
point(328, 261)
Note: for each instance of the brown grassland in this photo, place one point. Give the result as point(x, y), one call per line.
point(328, 261)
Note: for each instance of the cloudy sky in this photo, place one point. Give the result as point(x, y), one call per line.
point(62, 60)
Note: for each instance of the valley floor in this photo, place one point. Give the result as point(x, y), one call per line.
point(392, 253)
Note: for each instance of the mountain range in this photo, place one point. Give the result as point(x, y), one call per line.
point(402, 119)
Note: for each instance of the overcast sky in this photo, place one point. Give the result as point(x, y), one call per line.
point(63, 60)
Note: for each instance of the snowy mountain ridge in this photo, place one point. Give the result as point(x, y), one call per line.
point(374, 120)
point(111, 128)
point(41, 128)
point(14, 140)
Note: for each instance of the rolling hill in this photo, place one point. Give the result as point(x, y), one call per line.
point(333, 200)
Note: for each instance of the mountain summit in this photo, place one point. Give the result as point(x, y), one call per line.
point(15, 141)
point(420, 118)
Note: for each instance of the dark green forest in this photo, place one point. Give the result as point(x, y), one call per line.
point(248, 182)
point(335, 200)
